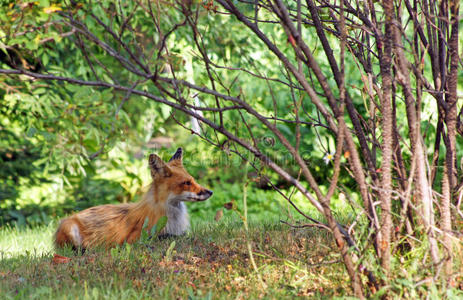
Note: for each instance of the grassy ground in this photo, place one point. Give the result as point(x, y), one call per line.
point(211, 262)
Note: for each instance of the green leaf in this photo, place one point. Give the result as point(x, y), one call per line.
point(144, 232)
point(114, 252)
point(31, 132)
point(165, 111)
point(153, 230)
point(44, 3)
point(39, 91)
point(170, 250)
point(160, 225)
point(145, 224)
point(18, 216)
point(45, 59)
point(48, 136)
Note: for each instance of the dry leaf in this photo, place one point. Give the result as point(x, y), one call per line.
point(218, 215)
point(51, 9)
point(136, 283)
point(192, 285)
point(228, 205)
point(58, 259)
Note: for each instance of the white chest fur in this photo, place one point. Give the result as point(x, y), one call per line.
point(177, 218)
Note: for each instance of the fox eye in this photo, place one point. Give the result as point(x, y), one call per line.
point(187, 182)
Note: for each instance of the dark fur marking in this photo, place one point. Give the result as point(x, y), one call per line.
point(99, 222)
point(166, 236)
point(123, 210)
point(78, 250)
point(177, 155)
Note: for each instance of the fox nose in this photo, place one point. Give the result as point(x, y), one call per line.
point(205, 192)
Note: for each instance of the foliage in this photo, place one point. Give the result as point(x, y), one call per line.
point(72, 128)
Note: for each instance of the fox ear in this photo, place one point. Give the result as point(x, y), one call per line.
point(177, 155)
point(158, 167)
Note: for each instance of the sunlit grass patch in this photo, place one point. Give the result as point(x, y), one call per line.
point(32, 241)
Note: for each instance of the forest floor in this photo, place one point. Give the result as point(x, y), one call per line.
point(212, 262)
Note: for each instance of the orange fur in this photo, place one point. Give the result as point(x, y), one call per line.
point(110, 225)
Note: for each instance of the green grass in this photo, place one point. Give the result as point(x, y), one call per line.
point(211, 262)
point(35, 241)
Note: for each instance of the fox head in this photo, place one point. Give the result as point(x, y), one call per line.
point(172, 179)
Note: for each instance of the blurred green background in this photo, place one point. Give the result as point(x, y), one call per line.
point(65, 147)
point(40, 185)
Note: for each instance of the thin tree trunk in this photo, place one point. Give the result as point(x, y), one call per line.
point(449, 181)
point(384, 236)
point(423, 189)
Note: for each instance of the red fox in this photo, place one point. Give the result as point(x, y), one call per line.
point(110, 225)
